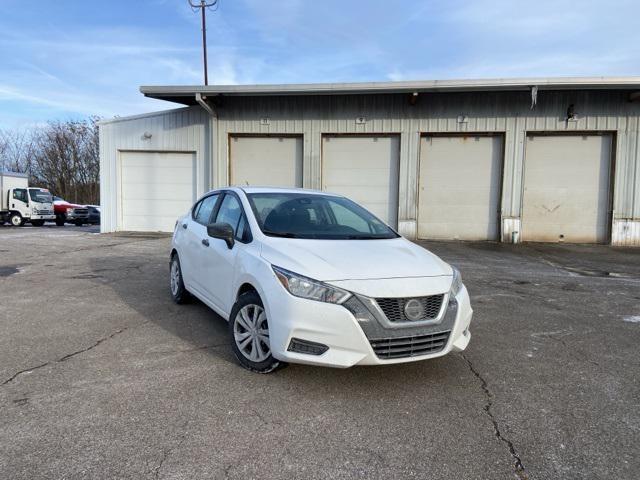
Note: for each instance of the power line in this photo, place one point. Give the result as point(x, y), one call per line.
point(202, 6)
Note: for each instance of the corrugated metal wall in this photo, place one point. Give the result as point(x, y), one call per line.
point(312, 116)
point(179, 130)
point(505, 112)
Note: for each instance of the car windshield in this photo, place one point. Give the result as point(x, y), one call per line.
point(300, 215)
point(40, 196)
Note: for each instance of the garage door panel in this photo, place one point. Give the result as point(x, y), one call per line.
point(566, 188)
point(471, 196)
point(459, 187)
point(147, 223)
point(586, 179)
point(155, 189)
point(364, 169)
point(375, 178)
point(266, 161)
point(154, 208)
point(579, 233)
point(468, 216)
point(156, 174)
point(445, 230)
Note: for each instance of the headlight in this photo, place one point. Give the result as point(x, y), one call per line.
point(304, 287)
point(456, 284)
point(69, 211)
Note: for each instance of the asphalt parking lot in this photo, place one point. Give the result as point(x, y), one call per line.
point(102, 376)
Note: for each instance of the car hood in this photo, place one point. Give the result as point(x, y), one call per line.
point(332, 260)
point(67, 204)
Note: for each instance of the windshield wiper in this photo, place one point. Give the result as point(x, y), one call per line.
point(279, 234)
point(366, 237)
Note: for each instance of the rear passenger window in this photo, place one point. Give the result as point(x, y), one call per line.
point(202, 211)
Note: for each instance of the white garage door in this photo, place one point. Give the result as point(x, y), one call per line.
point(266, 161)
point(566, 189)
point(365, 169)
point(459, 187)
point(155, 189)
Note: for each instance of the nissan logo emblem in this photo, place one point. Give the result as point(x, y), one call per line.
point(413, 310)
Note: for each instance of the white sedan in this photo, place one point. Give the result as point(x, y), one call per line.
point(309, 277)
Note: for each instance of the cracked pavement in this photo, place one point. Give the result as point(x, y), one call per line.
point(102, 376)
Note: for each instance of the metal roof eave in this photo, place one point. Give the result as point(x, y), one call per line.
point(186, 93)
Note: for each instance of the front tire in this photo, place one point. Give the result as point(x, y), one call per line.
point(176, 284)
point(60, 220)
point(16, 220)
point(249, 331)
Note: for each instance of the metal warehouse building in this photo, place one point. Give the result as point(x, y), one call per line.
point(546, 160)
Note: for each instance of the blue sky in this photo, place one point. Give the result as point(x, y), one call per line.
point(68, 58)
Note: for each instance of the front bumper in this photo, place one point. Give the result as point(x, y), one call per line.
point(72, 217)
point(349, 345)
point(42, 217)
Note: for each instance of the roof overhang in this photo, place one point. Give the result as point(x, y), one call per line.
point(186, 94)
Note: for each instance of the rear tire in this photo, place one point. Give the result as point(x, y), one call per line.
point(178, 291)
point(37, 223)
point(249, 331)
point(16, 220)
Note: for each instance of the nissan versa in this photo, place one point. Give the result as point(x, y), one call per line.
point(314, 278)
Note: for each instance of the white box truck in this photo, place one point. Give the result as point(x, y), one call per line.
point(20, 203)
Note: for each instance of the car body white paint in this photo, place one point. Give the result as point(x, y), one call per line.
point(370, 268)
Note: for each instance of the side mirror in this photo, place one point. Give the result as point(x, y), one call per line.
point(223, 231)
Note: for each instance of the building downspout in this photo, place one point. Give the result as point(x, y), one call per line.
point(211, 144)
point(202, 100)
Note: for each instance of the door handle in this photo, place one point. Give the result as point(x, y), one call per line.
point(205, 242)
point(184, 225)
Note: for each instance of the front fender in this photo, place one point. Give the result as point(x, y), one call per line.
point(256, 272)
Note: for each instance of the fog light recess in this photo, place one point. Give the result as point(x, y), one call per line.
point(305, 346)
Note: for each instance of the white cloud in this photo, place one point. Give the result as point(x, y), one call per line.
point(96, 67)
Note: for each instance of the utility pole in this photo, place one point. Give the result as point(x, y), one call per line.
point(202, 6)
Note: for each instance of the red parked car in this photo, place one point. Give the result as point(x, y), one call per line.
point(69, 212)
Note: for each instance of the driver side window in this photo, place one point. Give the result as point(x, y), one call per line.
point(20, 194)
point(231, 212)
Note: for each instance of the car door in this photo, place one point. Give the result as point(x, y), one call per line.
point(194, 242)
point(219, 263)
point(20, 201)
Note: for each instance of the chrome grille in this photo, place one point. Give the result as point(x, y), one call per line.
point(393, 308)
point(81, 211)
point(388, 348)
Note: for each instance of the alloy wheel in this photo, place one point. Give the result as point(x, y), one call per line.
point(175, 277)
point(251, 333)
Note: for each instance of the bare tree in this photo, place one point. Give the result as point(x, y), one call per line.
point(66, 160)
point(16, 150)
point(61, 156)
point(3, 151)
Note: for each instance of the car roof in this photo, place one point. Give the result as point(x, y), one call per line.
point(256, 189)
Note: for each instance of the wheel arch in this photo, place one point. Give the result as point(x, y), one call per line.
point(245, 288)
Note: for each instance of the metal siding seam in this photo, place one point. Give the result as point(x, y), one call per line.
point(635, 190)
